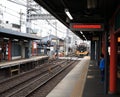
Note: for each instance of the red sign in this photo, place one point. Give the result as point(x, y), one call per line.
point(86, 27)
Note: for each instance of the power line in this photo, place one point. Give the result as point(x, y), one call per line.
point(6, 11)
point(37, 13)
point(18, 3)
point(25, 5)
point(9, 8)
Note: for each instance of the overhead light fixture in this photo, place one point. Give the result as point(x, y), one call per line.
point(81, 32)
point(68, 14)
point(83, 35)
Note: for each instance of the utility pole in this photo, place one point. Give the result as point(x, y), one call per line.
point(67, 31)
point(28, 17)
point(21, 14)
point(1, 16)
point(56, 38)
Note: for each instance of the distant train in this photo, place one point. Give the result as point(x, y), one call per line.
point(82, 50)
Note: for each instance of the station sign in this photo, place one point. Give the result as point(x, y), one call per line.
point(86, 27)
point(95, 38)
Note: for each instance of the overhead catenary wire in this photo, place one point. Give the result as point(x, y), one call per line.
point(9, 9)
point(12, 14)
point(25, 5)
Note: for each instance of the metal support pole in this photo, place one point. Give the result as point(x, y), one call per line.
point(21, 14)
point(29, 49)
point(106, 64)
point(28, 17)
point(92, 50)
point(66, 45)
point(56, 39)
point(97, 51)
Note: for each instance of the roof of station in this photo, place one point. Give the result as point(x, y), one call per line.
point(17, 35)
point(82, 11)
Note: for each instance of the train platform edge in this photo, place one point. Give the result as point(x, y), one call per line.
point(82, 81)
point(73, 83)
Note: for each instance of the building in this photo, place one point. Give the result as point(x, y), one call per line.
point(53, 44)
point(15, 45)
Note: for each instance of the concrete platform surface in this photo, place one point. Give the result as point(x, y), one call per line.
point(69, 84)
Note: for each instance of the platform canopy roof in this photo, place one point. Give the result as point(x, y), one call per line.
point(82, 11)
point(8, 33)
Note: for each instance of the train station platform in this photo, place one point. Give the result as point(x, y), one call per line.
point(73, 83)
point(93, 86)
point(15, 67)
point(82, 81)
point(21, 61)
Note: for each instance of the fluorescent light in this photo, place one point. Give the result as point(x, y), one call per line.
point(83, 35)
point(15, 40)
point(68, 14)
point(81, 32)
point(6, 38)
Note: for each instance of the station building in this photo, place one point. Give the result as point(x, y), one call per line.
point(18, 52)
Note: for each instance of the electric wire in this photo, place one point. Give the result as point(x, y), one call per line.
point(25, 5)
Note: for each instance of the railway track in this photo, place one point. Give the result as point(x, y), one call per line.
point(54, 74)
point(29, 84)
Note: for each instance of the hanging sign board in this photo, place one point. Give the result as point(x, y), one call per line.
point(86, 27)
point(95, 38)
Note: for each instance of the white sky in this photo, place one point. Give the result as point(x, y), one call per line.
point(11, 13)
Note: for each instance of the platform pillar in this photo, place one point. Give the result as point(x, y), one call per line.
point(106, 83)
point(98, 51)
point(22, 49)
point(113, 64)
point(9, 49)
point(29, 48)
point(103, 44)
point(92, 50)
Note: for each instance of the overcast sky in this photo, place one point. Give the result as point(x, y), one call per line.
point(11, 13)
